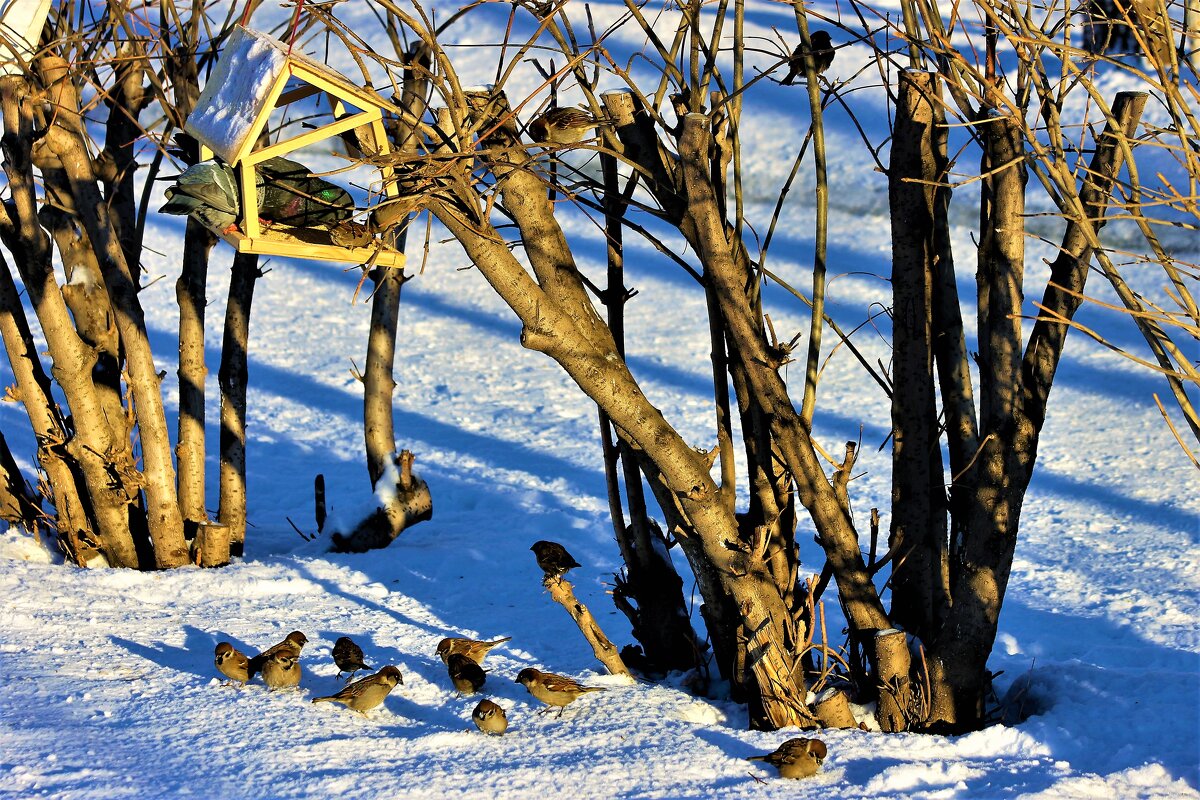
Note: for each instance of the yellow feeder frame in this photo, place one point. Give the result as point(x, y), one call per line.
point(240, 104)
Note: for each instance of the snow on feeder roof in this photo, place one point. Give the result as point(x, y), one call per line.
point(21, 23)
point(249, 83)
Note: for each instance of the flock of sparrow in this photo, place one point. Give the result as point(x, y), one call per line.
point(279, 667)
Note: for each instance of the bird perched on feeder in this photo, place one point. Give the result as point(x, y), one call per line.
point(490, 717)
point(563, 126)
point(822, 52)
point(367, 693)
point(556, 691)
point(471, 648)
point(281, 671)
point(232, 663)
point(287, 193)
point(292, 644)
point(796, 758)
point(348, 656)
point(553, 558)
point(466, 675)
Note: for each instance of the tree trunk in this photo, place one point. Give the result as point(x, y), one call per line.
point(233, 378)
point(110, 483)
point(649, 591)
point(958, 667)
point(158, 473)
point(19, 506)
point(190, 293)
point(920, 590)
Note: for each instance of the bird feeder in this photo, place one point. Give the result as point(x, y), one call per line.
point(257, 75)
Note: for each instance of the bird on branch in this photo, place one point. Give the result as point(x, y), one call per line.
point(564, 126)
point(822, 53)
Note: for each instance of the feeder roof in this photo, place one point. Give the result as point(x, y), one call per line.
point(246, 84)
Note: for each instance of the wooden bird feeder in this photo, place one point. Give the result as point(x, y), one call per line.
point(256, 75)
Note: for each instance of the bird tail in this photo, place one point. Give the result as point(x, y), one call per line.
point(502, 641)
point(328, 699)
point(748, 758)
point(586, 689)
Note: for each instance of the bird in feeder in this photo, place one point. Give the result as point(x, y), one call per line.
point(287, 193)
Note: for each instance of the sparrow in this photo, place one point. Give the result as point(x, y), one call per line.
point(471, 648)
point(232, 663)
point(281, 671)
point(551, 689)
point(553, 558)
point(367, 693)
point(292, 644)
point(822, 57)
point(490, 717)
point(348, 656)
point(563, 126)
point(796, 758)
point(467, 676)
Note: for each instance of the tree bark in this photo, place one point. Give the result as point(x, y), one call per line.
point(233, 376)
point(110, 483)
point(958, 666)
point(19, 506)
point(920, 579)
point(191, 295)
point(649, 591)
point(162, 506)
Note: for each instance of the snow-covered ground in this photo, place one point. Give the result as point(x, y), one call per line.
point(109, 687)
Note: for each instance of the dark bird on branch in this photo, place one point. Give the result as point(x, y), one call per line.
point(822, 52)
point(288, 193)
point(365, 694)
point(348, 656)
point(553, 558)
point(796, 758)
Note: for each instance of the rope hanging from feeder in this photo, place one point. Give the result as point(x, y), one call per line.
point(250, 4)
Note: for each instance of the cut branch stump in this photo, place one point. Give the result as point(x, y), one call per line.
point(564, 594)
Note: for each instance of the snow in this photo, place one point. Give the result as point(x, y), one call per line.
point(234, 95)
point(110, 689)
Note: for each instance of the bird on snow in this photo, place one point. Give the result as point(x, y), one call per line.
point(467, 676)
point(471, 648)
point(292, 644)
point(796, 758)
point(288, 193)
point(822, 51)
point(556, 691)
point(232, 663)
point(348, 656)
point(281, 671)
point(367, 693)
point(490, 717)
